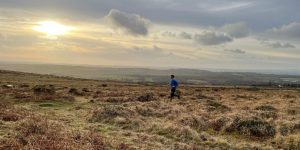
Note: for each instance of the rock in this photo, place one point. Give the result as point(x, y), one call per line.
point(8, 86)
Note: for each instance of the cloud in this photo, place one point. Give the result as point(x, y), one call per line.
point(2, 37)
point(175, 12)
point(236, 30)
point(169, 34)
point(18, 40)
point(289, 31)
point(277, 44)
point(232, 6)
point(212, 38)
point(146, 56)
point(214, 35)
point(149, 52)
point(153, 53)
point(130, 23)
point(236, 51)
point(224, 21)
point(185, 35)
point(181, 35)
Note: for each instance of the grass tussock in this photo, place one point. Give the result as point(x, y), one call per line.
point(118, 99)
point(252, 128)
point(44, 89)
point(267, 111)
point(116, 115)
point(219, 123)
point(266, 108)
point(184, 134)
point(39, 133)
point(40, 93)
point(287, 143)
point(110, 112)
point(202, 96)
point(293, 110)
point(8, 112)
point(195, 122)
point(216, 106)
point(147, 97)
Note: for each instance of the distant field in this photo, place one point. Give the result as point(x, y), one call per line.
point(143, 75)
point(49, 112)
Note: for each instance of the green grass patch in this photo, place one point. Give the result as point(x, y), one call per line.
point(53, 104)
point(47, 105)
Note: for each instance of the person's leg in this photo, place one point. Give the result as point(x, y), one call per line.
point(172, 93)
point(178, 95)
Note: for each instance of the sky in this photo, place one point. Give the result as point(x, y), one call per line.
point(217, 34)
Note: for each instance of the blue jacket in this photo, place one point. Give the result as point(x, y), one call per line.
point(174, 83)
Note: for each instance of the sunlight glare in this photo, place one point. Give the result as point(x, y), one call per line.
point(52, 28)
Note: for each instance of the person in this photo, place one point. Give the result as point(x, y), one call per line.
point(174, 85)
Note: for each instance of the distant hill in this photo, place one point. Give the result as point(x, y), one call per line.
point(190, 76)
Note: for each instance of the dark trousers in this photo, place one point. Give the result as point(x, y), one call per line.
point(173, 93)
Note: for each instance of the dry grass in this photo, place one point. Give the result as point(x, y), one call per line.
point(66, 113)
point(36, 132)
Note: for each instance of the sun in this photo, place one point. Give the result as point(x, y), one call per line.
point(52, 28)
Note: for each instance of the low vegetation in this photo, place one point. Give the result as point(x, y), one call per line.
point(252, 128)
point(66, 113)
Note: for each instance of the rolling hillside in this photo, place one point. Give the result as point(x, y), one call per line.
point(190, 76)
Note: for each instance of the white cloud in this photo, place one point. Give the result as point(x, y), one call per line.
point(131, 23)
point(153, 52)
point(278, 44)
point(18, 40)
point(2, 37)
point(168, 34)
point(289, 31)
point(231, 6)
point(185, 35)
point(236, 30)
point(236, 51)
point(212, 38)
point(214, 35)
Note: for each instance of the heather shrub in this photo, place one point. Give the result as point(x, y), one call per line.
point(216, 106)
point(44, 89)
point(146, 97)
point(252, 128)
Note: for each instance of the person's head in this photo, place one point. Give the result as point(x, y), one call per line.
point(172, 76)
